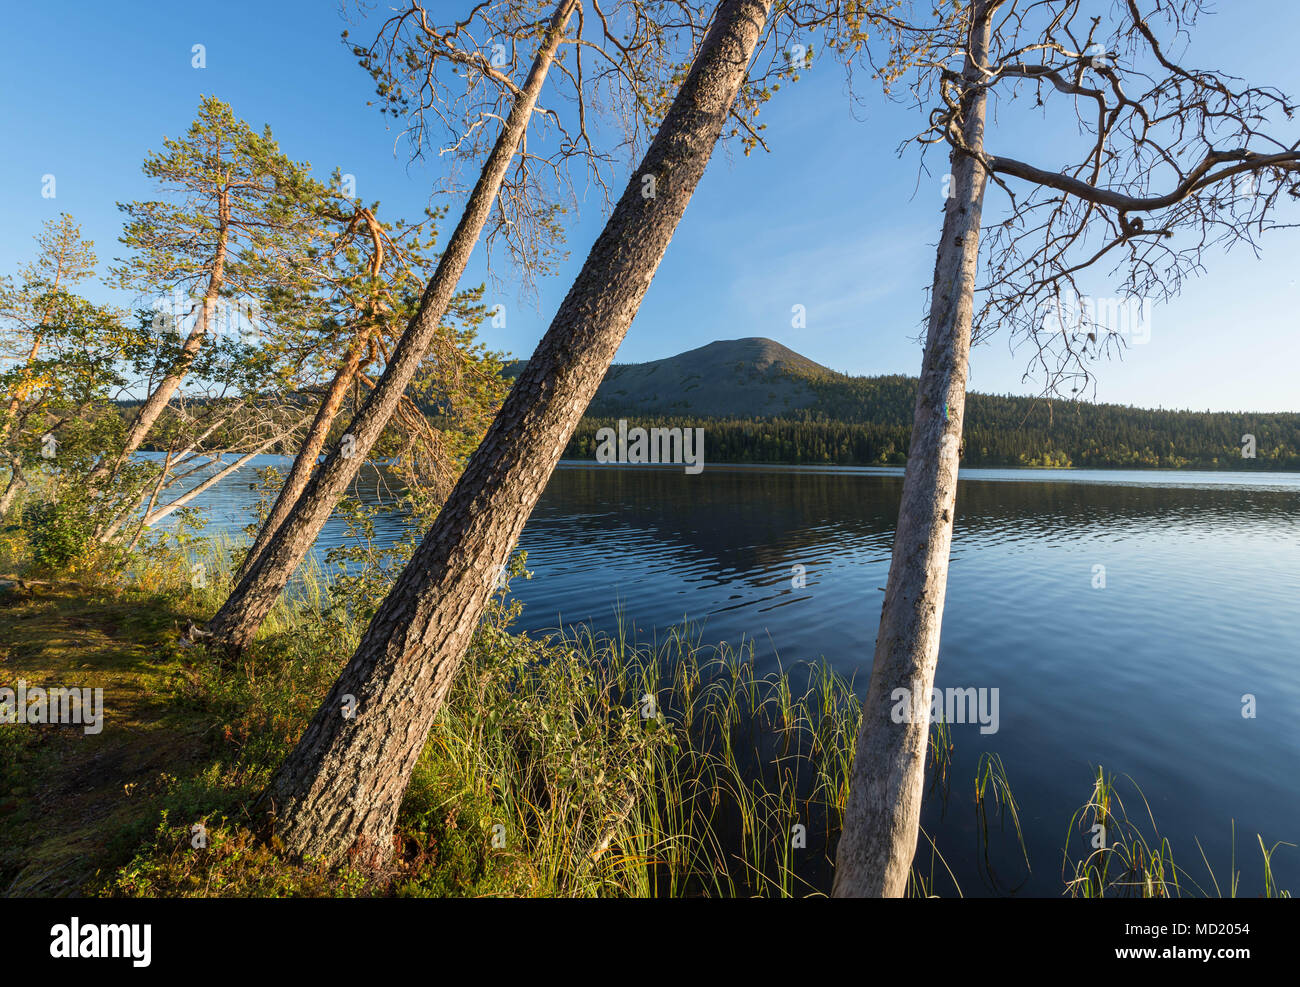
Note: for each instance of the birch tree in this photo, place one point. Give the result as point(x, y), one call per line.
point(58, 354)
point(33, 308)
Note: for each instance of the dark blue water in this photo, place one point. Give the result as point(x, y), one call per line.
point(1145, 676)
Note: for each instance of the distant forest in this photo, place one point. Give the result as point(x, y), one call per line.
point(866, 421)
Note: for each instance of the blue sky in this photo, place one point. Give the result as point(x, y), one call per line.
point(832, 219)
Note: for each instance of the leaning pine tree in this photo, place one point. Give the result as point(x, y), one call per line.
point(235, 219)
point(265, 574)
point(338, 792)
point(364, 325)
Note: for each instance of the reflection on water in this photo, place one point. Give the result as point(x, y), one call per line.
point(1144, 676)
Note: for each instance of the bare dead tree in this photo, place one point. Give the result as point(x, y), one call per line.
point(1156, 184)
point(451, 83)
point(611, 83)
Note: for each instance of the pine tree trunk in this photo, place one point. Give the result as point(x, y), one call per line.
point(312, 444)
point(265, 576)
point(883, 812)
point(338, 792)
point(176, 374)
point(16, 401)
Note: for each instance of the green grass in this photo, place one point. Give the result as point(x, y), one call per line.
point(574, 766)
point(1125, 856)
point(65, 796)
point(579, 765)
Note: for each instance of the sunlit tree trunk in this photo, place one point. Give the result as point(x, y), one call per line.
point(176, 374)
point(883, 813)
point(266, 575)
point(338, 792)
point(312, 444)
point(20, 392)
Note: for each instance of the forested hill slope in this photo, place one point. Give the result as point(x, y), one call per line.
point(747, 378)
point(761, 402)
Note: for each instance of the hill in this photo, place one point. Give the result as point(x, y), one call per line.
point(760, 401)
point(751, 377)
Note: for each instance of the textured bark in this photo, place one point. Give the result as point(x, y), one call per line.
point(265, 576)
point(883, 812)
point(338, 792)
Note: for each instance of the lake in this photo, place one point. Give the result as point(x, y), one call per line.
point(1141, 666)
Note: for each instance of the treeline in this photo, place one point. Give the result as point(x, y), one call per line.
point(866, 421)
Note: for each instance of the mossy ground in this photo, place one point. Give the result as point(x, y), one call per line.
point(67, 797)
point(113, 813)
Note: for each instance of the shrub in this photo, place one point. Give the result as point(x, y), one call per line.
point(60, 532)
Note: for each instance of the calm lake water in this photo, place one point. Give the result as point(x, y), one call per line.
point(1145, 676)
